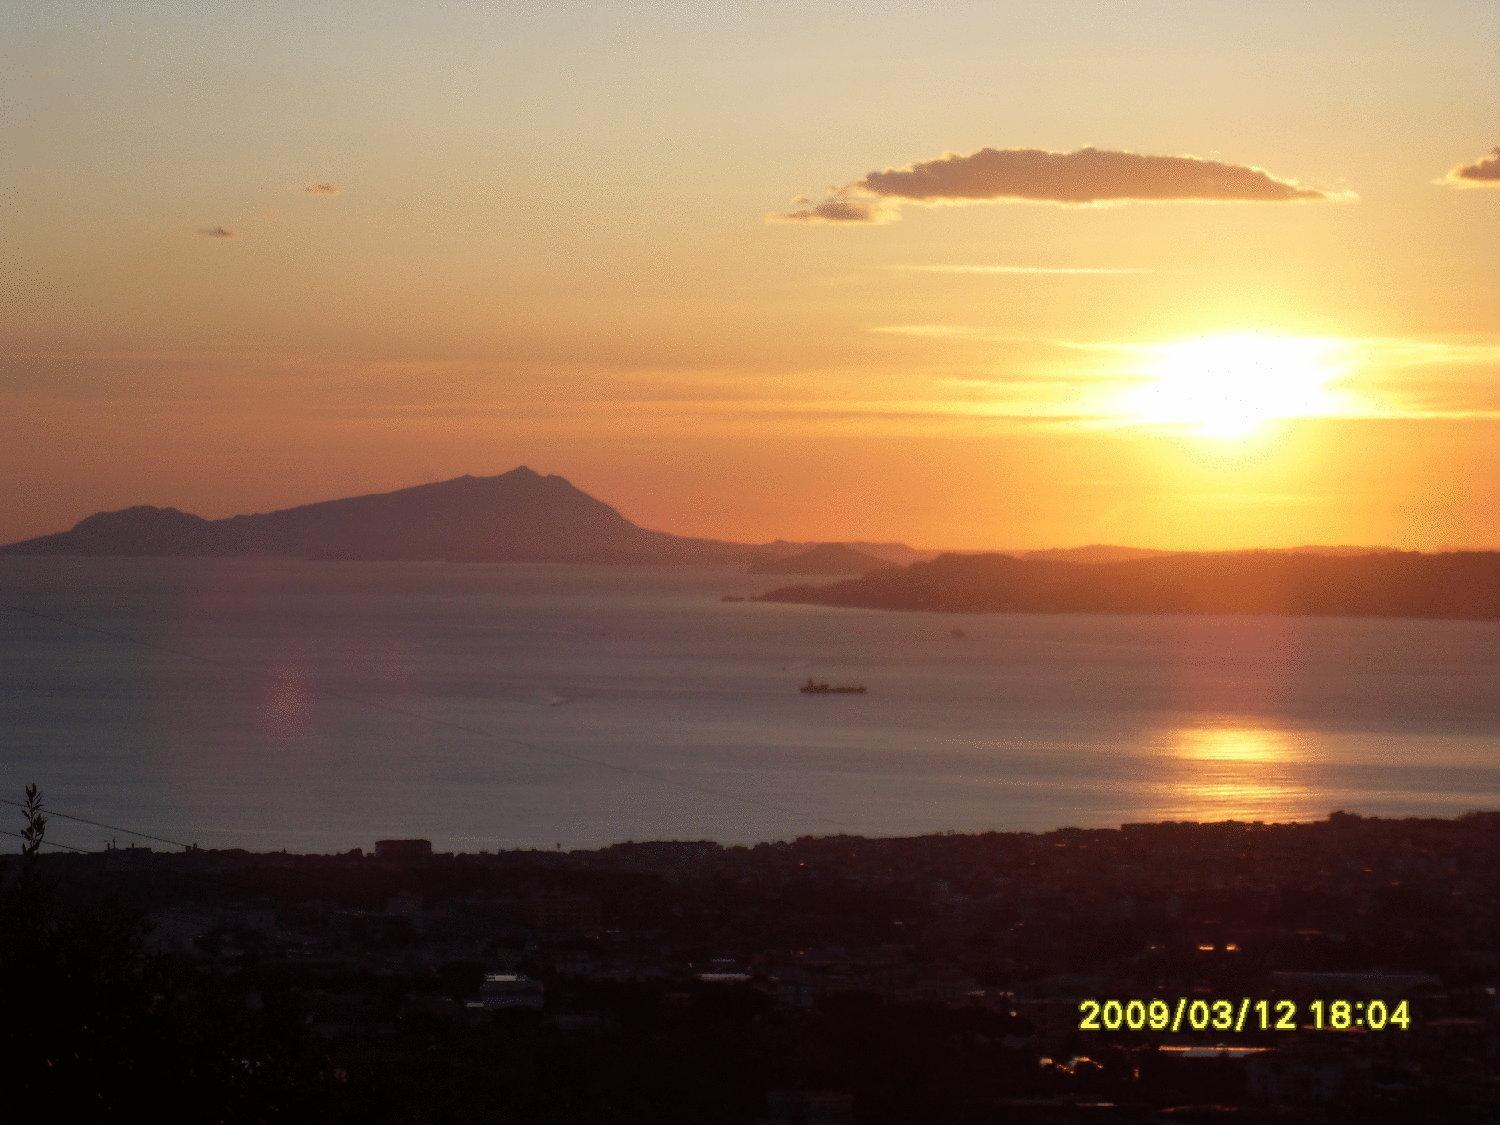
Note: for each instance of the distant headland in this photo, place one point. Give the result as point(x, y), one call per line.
point(1331, 583)
point(826, 559)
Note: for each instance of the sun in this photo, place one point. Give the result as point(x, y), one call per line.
point(1233, 385)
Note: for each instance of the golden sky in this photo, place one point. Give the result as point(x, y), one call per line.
point(1174, 274)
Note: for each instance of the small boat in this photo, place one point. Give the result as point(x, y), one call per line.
point(817, 687)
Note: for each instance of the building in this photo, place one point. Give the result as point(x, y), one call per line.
point(403, 849)
point(509, 992)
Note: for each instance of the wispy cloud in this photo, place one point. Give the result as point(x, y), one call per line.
point(217, 232)
point(1396, 351)
point(1379, 378)
point(321, 188)
point(980, 333)
point(1060, 271)
point(1484, 172)
point(941, 331)
point(1391, 351)
point(1088, 176)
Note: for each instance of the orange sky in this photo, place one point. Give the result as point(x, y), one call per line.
point(541, 236)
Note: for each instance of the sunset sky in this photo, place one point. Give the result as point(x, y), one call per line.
point(716, 264)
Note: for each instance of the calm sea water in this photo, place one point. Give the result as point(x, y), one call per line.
point(306, 706)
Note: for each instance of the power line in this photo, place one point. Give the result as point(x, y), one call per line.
point(439, 721)
point(48, 843)
point(100, 824)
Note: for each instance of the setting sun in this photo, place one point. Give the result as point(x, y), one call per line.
point(752, 562)
point(1232, 385)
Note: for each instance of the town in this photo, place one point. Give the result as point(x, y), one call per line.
point(838, 979)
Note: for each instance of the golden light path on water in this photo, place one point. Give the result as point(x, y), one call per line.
point(1232, 772)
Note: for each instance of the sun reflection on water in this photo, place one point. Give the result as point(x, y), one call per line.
point(1232, 772)
point(1233, 744)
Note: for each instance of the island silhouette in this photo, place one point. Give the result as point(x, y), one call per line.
point(525, 516)
point(516, 516)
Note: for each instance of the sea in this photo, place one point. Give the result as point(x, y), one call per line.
point(318, 707)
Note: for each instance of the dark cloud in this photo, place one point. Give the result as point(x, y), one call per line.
point(1087, 176)
point(1484, 171)
point(217, 232)
point(323, 188)
point(843, 205)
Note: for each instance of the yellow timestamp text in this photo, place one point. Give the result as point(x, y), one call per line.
point(1243, 1014)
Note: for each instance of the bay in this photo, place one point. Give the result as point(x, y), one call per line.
point(273, 704)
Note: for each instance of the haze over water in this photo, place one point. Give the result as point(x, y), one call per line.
point(320, 706)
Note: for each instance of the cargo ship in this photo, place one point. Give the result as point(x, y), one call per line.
point(815, 687)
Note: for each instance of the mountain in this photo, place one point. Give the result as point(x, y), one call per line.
point(515, 516)
point(1460, 584)
point(827, 559)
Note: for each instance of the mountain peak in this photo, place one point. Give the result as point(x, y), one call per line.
point(139, 515)
point(517, 475)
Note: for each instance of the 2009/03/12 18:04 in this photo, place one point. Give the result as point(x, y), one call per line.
point(1243, 1014)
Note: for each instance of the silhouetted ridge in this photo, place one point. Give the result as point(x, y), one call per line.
point(824, 559)
point(515, 516)
point(142, 529)
point(1092, 553)
point(1461, 584)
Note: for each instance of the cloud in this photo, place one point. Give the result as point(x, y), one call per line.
point(217, 232)
point(1484, 172)
point(1088, 176)
point(843, 205)
point(322, 188)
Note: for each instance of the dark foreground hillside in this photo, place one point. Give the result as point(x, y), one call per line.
point(840, 979)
